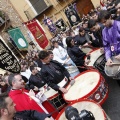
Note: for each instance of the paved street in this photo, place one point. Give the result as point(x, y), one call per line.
point(112, 104)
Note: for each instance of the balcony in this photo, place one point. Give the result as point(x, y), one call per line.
point(37, 8)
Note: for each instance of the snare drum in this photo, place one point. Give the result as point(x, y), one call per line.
point(114, 70)
point(91, 106)
point(97, 59)
point(55, 97)
point(88, 85)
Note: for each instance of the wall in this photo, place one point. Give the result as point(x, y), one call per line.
point(15, 21)
point(20, 6)
point(55, 12)
point(95, 2)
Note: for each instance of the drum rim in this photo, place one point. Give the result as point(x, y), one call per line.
point(81, 100)
point(90, 53)
point(87, 95)
point(57, 93)
point(108, 73)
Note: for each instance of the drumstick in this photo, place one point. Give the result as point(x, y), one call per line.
point(115, 63)
point(71, 84)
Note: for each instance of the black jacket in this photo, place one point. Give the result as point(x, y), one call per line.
point(76, 55)
point(36, 80)
point(51, 76)
point(30, 115)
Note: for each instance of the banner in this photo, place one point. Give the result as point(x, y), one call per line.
point(18, 38)
point(60, 25)
point(7, 59)
point(72, 15)
point(38, 33)
point(49, 23)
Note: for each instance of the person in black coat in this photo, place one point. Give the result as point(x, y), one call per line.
point(76, 54)
point(53, 72)
point(86, 39)
point(35, 80)
point(31, 115)
point(96, 28)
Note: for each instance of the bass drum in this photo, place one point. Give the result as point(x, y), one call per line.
point(88, 85)
point(91, 106)
point(86, 49)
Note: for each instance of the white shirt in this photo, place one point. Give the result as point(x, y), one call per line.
point(27, 73)
point(60, 52)
point(64, 43)
point(76, 31)
point(58, 59)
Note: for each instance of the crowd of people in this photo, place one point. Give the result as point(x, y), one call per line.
point(100, 28)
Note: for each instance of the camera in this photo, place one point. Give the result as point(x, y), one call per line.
point(72, 113)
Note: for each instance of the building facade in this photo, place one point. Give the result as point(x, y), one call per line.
point(54, 9)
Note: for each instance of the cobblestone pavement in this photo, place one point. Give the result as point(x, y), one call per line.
point(112, 104)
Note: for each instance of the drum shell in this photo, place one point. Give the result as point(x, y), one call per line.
point(55, 97)
point(97, 60)
point(103, 94)
point(94, 55)
point(61, 115)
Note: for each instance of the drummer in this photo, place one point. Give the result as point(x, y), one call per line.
point(111, 37)
point(53, 72)
point(70, 66)
point(76, 54)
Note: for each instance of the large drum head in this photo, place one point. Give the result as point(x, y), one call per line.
point(84, 84)
point(94, 55)
point(114, 70)
point(96, 110)
point(86, 49)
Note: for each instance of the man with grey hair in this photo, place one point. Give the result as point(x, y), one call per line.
point(27, 100)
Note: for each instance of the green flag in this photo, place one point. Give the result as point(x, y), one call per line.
point(18, 38)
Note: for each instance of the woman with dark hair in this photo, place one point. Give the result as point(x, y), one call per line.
point(76, 54)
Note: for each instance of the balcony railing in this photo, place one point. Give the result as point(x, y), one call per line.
point(37, 8)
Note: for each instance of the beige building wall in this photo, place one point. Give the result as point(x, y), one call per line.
point(20, 6)
point(14, 21)
point(56, 12)
point(95, 2)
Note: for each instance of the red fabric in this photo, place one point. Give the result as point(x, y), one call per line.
point(38, 33)
point(101, 3)
point(50, 109)
point(24, 102)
